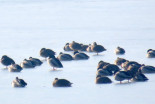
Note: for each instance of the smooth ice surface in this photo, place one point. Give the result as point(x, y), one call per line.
point(28, 25)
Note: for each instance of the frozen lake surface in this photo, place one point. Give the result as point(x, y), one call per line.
point(26, 26)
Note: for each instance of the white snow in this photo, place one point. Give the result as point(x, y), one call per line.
point(26, 26)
